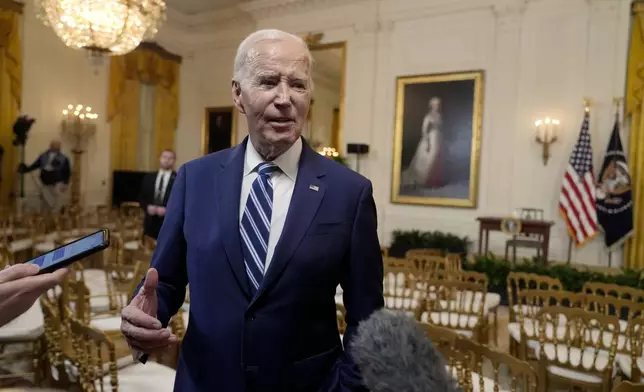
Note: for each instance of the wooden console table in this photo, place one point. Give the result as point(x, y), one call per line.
point(489, 223)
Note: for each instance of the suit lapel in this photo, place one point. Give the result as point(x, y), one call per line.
point(228, 189)
point(305, 202)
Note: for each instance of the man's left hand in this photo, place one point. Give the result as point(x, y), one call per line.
point(161, 211)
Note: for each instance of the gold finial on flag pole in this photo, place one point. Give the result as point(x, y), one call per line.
point(587, 104)
point(617, 101)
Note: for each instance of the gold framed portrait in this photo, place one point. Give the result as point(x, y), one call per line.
point(437, 139)
point(219, 129)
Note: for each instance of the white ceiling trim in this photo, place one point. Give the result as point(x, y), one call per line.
point(245, 13)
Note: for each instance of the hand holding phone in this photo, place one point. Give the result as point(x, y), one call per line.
point(20, 287)
point(139, 323)
point(72, 252)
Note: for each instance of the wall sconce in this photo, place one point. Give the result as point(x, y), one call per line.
point(547, 131)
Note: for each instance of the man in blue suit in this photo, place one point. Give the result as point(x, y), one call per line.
point(263, 233)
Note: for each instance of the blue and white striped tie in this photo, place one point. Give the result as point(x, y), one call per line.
point(256, 224)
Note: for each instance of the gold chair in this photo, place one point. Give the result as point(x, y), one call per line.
point(576, 348)
point(340, 313)
point(613, 290)
point(444, 339)
point(627, 386)
point(491, 302)
point(522, 376)
point(411, 253)
point(630, 359)
point(518, 281)
point(524, 331)
point(95, 359)
point(400, 287)
point(456, 305)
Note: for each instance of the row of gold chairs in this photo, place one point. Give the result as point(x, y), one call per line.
point(584, 340)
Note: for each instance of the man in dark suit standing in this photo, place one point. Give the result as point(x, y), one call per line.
point(263, 232)
point(155, 191)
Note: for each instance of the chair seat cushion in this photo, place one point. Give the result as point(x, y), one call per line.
point(131, 245)
point(451, 320)
point(587, 362)
point(20, 245)
point(140, 377)
point(106, 323)
point(396, 302)
point(44, 247)
point(26, 327)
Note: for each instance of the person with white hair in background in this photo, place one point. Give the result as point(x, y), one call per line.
point(263, 232)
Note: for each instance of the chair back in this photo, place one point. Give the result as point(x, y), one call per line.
point(578, 340)
point(613, 290)
point(95, 357)
point(520, 375)
point(518, 281)
point(627, 386)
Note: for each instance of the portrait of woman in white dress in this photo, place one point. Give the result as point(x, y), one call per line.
point(436, 139)
point(425, 169)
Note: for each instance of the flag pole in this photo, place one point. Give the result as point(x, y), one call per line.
point(617, 101)
point(569, 249)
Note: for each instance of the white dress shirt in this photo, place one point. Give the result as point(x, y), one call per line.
point(163, 175)
point(283, 183)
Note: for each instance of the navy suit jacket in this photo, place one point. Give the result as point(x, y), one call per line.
point(285, 337)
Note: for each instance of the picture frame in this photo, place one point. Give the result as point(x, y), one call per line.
point(219, 129)
point(437, 139)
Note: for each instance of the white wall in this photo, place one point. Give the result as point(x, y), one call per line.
point(540, 57)
point(55, 76)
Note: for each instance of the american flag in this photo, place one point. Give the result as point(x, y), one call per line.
point(577, 199)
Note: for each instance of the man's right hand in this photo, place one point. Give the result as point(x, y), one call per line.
point(139, 323)
point(152, 210)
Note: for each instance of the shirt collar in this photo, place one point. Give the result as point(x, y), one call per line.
point(164, 172)
point(287, 162)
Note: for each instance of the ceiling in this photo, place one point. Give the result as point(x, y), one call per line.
point(196, 6)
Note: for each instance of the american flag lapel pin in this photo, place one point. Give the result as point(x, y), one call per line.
point(314, 187)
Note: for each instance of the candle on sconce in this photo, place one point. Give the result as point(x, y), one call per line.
point(547, 130)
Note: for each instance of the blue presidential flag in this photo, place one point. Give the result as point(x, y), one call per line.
point(614, 201)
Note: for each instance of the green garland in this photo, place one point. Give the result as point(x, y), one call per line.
point(497, 269)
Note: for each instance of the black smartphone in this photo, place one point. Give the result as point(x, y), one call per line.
point(74, 251)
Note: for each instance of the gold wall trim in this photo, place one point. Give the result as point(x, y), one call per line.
point(338, 133)
point(161, 51)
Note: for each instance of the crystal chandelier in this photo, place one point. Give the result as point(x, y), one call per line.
point(102, 27)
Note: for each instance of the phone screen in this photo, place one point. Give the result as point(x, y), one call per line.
point(69, 251)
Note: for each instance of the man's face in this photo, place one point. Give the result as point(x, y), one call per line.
point(54, 146)
point(166, 160)
point(276, 95)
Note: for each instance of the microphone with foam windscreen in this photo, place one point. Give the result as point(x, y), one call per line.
point(394, 355)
